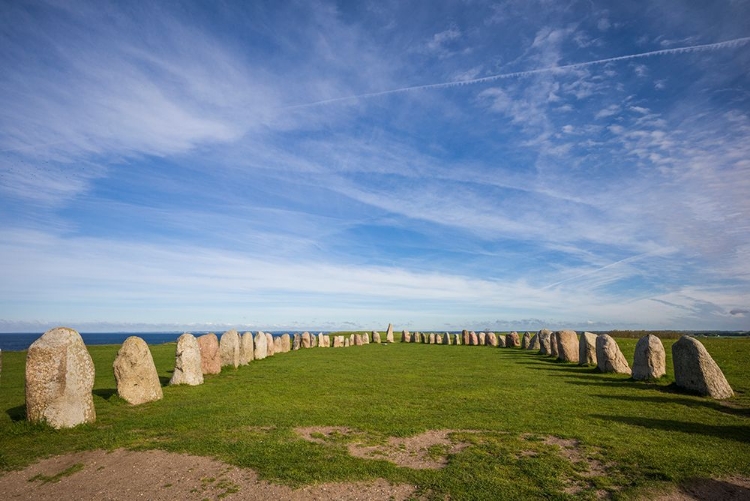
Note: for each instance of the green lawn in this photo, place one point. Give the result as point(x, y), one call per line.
point(645, 433)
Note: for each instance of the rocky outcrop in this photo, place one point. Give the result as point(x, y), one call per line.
point(135, 373)
point(208, 345)
point(609, 358)
point(59, 380)
point(229, 349)
point(587, 349)
point(695, 370)
point(567, 346)
point(260, 346)
point(187, 362)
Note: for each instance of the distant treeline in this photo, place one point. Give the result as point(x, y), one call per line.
point(674, 334)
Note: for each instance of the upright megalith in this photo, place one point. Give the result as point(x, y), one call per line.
point(135, 373)
point(389, 334)
point(375, 337)
point(286, 343)
point(587, 349)
point(609, 358)
point(405, 337)
point(695, 370)
point(534, 343)
point(208, 344)
point(492, 339)
point(512, 340)
point(305, 340)
point(501, 340)
point(297, 342)
point(650, 359)
point(457, 339)
point(447, 338)
point(545, 341)
point(278, 345)
point(59, 380)
point(358, 339)
point(260, 345)
point(187, 362)
point(473, 338)
point(338, 341)
point(229, 348)
point(465, 337)
point(247, 351)
point(567, 346)
point(526, 340)
point(482, 338)
point(269, 344)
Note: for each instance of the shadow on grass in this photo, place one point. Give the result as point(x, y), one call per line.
point(688, 402)
point(708, 488)
point(737, 433)
point(164, 380)
point(17, 413)
point(105, 393)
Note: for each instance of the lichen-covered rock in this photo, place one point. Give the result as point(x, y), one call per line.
point(389, 334)
point(587, 349)
point(269, 344)
point(208, 344)
point(512, 340)
point(59, 380)
point(567, 346)
point(229, 348)
point(305, 340)
point(534, 343)
point(375, 337)
point(650, 359)
point(545, 341)
point(695, 370)
point(187, 362)
point(260, 345)
point(609, 358)
point(492, 339)
point(135, 373)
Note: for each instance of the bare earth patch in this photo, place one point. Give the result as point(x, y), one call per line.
point(159, 475)
point(708, 489)
point(429, 450)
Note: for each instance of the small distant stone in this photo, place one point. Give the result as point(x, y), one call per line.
point(501, 340)
point(297, 342)
point(609, 358)
point(405, 336)
point(695, 370)
point(59, 380)
point(187, 362)
point(135, 373)
point(447, 338)
point(473, 339)
point(338, 341)
point(587, 349)
point(208, 344)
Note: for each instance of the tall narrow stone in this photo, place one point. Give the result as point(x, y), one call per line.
point(587, 349)
point(465, 337)
point(269, 344)
point(59, 380)
point(187, 362)
point(278, 344)
point(554, 347)
point(247, 351)
point(482, 338)
point(650, 359)
point(501, 340)
point(260, 345)
point(567, 346)
point(135, 373)
point(286, 343)
point(297, 342)
point(208, 345)
point(609, 358)
point(457, 339)
point(526, 340)
point(375, 337)
point(305, 339)
point(229, 348)
point(545, 347)
point(447, 338)
point(405, 337)
point(389, 334)
point(695, 370)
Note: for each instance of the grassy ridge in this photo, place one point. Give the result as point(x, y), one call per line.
point(645, 432)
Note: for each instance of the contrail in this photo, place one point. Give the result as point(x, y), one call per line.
point(518, 74)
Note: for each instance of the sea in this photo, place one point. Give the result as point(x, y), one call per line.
point(22, 341)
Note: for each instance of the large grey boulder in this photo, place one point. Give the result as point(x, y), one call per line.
point(534, 343)
point(59, 380)
point(695, 370)
point(609, 358)
point(305, 340)
point(512, 340)
point(247, 351)
point(260, 346)
point(567, 346)
point(587, 349)
point(492, 339)
point(187, 361)
point(389, 334)
point(526, 340)
point(269, 344)
point(375, 337)
point(135, 373)
point(545, 341)
point(208, 344)
point(650, 359)
point(229, 348)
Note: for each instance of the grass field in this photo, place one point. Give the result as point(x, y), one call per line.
point(645, 434)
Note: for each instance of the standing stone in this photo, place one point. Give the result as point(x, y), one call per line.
point(305, 339)
point(296, 341)
point(208, 344)
point(376, 337)
point(534, 343)
point(587, 349)
point(482, 338)
point(347, 341)
point(187, 362)
point(492, 339)
point(526, 340)
point(554, 347)
point(609, 358)
point(269, 344)
point(278, 345)
point(416, 337)
point(338, 341)
point(135, 373)
point(465, 337)
point(286, 343)
point(695, 370)
point(405, 337)
point(389, 334)
point(247, 353)
point(447, 338)
point(501, 340)
point(365, 338)
point(650, 359)
point(260, 345)
point(457, 339)
point(431, 338)
point(545, 341)
point(473, 338)
point(229, 349)
point(438, 339)
point(321, 341)
point(567, 343)
point(358, 339)
point(513, 340)
point(59, 380)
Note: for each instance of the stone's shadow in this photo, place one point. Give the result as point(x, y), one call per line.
point(688, 402)
point(164, 380)
point(733, 432)
point(17, 413)
point(709, 488)
point(105, 393)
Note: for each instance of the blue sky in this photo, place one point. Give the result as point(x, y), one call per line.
point(313, 165)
